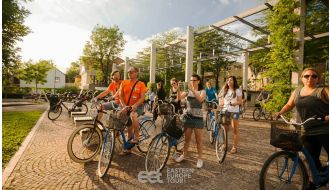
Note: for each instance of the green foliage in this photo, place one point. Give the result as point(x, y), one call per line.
point(72, 89)
point(217, 42)
point(17, 90)
point(13, 30)
point(72, 72)
point(104, 46)
point(15, 127)
point(281, 22)
point(36, 72)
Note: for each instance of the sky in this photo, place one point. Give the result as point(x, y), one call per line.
point(61, 28)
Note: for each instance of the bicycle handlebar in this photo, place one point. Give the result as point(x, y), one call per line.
point(302, 123)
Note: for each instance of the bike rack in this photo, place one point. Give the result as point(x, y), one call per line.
point(82, 119)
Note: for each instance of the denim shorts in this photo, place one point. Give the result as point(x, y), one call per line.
point(230, 116)
point(194, 123)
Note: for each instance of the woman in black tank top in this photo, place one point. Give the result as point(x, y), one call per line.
point(309, 101)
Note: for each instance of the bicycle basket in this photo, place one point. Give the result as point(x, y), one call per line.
point(117, 120)
point(281, 136)
point(172, 128)
point(165, 109)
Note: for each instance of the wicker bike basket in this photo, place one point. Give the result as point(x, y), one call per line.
point(285, 136)
point(117, 120)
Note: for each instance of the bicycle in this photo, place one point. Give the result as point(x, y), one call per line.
point(55, 111)
point(209, 114)
point(259, 112)
point(170, 136)
point(218, 133)
point(85, 142)
point(118, 123)
point(288, 168)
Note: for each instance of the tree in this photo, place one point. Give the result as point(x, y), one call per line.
point(208, 43)
point(13, 29)
point(281, 22)
point(72, 72)
point(36, 72)
point(104, 46)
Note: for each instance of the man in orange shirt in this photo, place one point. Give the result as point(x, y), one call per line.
point(113, 89)
point(135, 103)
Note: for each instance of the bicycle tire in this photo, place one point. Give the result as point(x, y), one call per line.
point(84, 143)
point(147, 130)
point(83, 108)
point(267, 115)
point(106, 153)
point(154, 154)
point(56, 110)
point(277, 167)
point(257, 114)
point(211, 135)
point(221, 144)
point(208, 121)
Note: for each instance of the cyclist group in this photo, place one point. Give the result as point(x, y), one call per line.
point(132, 93)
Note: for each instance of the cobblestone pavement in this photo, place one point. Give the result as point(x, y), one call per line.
point(45, 164)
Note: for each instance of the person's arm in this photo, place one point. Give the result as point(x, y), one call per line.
point(102, 94)
point(288, 106)
point(121, 95)
point(326, 97)
point(140, 101)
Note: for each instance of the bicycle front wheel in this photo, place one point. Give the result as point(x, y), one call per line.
point(106, 152)
point(257, 114)
point(54, 112)
point(147, 131)
point(158, 153)
point(208, 121)
point(279, 172)
point(221, 144)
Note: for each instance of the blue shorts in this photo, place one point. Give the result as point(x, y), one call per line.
point(194, 123)
point(230, 116)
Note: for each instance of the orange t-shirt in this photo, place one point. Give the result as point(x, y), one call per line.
point(127, 86)
point(113, 88)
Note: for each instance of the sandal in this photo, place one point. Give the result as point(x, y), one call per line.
point(133, 141)
point(125, 152)
point(233, 150)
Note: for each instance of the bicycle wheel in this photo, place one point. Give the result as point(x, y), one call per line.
point(208, 121)
point(221, 144)
point(158, 153)
point(147, 131)
point(54, 112)
point(277, 172)
point(84, 143)
point(257, 114)
point(211, 132)
point(106, 152)
point(267, 115)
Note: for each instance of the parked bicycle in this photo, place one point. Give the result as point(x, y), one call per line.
point(170, 136)
point(55, 109)
point(259, 112)
point(285, 169)
point(118, 123)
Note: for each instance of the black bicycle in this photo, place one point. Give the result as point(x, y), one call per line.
point(55, 110)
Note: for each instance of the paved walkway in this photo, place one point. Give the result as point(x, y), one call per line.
point(45, 163)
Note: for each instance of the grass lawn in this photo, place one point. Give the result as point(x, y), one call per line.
point(15, 127)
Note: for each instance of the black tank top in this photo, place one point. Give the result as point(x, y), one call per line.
point(309, 106)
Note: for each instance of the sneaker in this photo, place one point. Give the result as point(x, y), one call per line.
point(199, 163)
point(180, 158)
point(233, 150)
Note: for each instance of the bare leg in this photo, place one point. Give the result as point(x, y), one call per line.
point(199, 142)
point(235, 123)
point(135, 125)
point(187, 137)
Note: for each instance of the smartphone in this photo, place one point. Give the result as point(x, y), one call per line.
point(181, 86)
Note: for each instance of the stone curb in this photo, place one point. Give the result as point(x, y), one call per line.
point(13, 161)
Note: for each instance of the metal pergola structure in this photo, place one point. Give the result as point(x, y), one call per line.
point(219, 26)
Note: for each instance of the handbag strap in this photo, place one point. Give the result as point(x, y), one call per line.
point(131, 92)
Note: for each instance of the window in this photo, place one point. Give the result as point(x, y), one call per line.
point(57, 79)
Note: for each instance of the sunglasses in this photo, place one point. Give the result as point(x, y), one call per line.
point(307, 76)
point(193, 80)
point(173, 83)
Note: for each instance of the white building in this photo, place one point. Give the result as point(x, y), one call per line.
point(55, 79)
